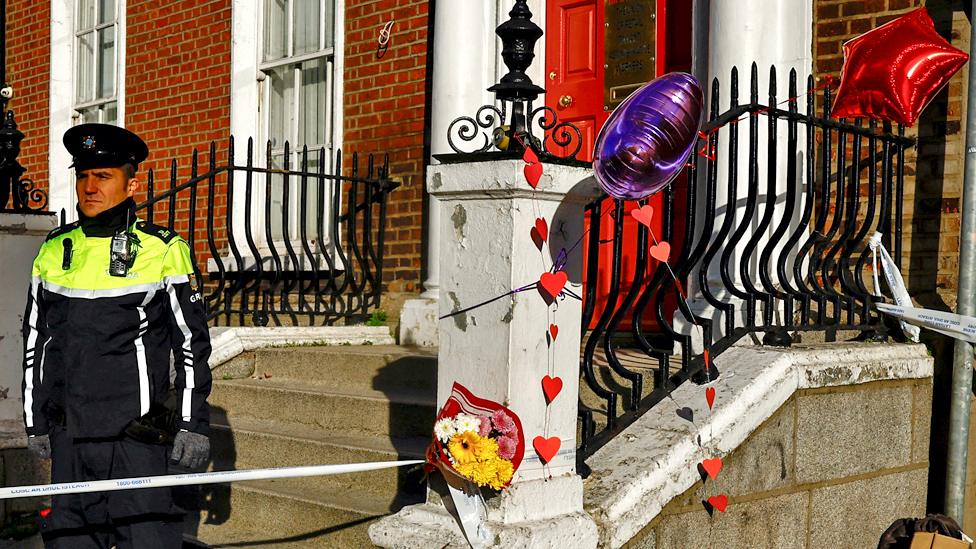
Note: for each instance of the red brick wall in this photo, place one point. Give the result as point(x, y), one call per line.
point(384, 113)
point(178, 93)
point(933, 186)
point(28, 69)
point(178, 98)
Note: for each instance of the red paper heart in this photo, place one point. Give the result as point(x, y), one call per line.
point(546, 447)
point(537, 239)
point(707, 355)
point(644, 215)
point(661, 251)
point(712, 467)
point(719, 502)
point(710, 396)
point(551, 387)
point(553, 283)
point(45, 512)
point(553, 331)
point(533, 172)
point(530, 157)
point(542, 228)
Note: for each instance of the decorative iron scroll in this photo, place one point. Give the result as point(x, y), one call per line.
point(27, 198)
point(490, 130)
point(509, 129)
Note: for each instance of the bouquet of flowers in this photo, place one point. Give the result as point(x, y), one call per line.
point(477, 439)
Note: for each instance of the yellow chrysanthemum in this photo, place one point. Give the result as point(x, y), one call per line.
point(463, 447)
point(494, 473)
point(503, 473)
point(486, 449)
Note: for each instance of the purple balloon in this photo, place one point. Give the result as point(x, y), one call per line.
point(647, 140)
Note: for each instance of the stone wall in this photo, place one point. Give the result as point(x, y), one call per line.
point(20, 237)
point(832, 468)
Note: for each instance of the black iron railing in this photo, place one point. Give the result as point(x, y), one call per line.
point(801, 238)
point(279, 244)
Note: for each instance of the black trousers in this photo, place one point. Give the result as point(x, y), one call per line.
point(142, 518)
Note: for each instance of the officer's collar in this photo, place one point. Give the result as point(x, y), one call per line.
point(110, 221)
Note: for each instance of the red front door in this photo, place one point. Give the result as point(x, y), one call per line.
point(575, 68)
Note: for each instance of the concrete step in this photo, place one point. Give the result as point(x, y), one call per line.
point(376, 367)
point(632, 360)
point(255, 444)
point(270, 514)
point(397, 413)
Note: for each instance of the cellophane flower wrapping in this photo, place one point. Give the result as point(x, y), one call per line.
point(477, 439)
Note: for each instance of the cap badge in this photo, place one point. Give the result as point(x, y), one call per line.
point(88, 142)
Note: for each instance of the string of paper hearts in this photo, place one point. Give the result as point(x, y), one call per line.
point(661, 251)
point(708, 468)
point(552, 283)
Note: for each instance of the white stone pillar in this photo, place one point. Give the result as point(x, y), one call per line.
point(20, 237)
point(499, 350)
point(467, 61)
point(769, 33)
point(463, 70)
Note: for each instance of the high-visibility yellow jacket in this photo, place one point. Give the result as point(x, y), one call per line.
point(98, 346)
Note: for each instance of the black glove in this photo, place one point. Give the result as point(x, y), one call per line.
point(190, 449)
point(40, 446)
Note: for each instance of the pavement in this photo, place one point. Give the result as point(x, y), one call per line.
point(33, 542)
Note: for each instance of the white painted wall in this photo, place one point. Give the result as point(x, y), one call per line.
point(20, 238)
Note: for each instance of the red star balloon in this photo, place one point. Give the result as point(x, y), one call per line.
point(894, 71)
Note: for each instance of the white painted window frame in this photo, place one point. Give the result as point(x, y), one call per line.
point(248, 89)
point(62, 115)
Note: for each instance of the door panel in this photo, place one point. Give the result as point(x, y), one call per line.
point(574, 67)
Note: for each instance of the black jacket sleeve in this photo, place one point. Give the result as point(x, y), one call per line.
point(36, 341)
point(190, 339)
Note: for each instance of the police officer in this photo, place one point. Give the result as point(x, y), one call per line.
point(111, 297)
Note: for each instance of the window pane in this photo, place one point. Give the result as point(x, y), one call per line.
point(281, 106)
point(106, 62)
point(110, 113)
point(305, 23)
point(86, 68)
point(86, 14)
point(313, 112)
point(313, 201)
point(277, 198)
point(275, 41)
point(106, 11)
point(329, 22)
point(89, 114)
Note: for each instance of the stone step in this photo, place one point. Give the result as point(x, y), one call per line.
point(270, 514)
point(633, 360)
point(258, 444)
point(376, 367)
point(397, 413)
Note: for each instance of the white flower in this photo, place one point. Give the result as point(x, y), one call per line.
point(444, 429)
point(465, 422)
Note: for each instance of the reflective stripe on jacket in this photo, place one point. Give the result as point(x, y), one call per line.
point(98, 346)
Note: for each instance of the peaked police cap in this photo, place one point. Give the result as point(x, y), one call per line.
point(103, 146)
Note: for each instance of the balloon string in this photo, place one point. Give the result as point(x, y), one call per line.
point(708, 151)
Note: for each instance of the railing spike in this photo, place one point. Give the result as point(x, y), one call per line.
point(734, 88)
point(754, 84)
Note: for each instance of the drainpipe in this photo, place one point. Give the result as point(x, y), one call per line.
point(962, 360)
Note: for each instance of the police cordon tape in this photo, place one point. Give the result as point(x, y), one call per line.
point(211, 477)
